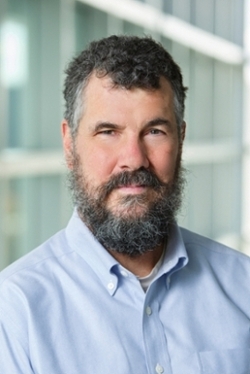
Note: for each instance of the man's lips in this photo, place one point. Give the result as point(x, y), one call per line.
point(132, 189)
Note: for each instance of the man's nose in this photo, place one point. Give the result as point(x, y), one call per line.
point(133, 155)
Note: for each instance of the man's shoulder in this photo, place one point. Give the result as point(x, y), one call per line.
point(49, 251)
point(203, 246)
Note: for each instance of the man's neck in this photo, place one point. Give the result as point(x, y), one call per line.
point(141, 265)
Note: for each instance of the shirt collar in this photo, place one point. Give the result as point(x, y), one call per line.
point(81, 239)
point(176, 256)
point(105, 266)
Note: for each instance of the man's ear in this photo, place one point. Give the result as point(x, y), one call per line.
point(182, 136)
point(67, 143)
point(183, 132)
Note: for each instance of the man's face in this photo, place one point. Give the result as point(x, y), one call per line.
point(126, 154)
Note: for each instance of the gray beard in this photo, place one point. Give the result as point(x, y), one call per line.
point(129, 233)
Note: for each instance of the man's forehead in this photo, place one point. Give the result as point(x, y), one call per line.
point(105, 103)
point(106, 82)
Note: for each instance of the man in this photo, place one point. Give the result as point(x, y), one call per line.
point(123, 289)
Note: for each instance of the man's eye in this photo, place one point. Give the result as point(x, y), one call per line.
point(107, 132)
point(156, 132)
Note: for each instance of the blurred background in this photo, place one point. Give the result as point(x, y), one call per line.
point(210, 39)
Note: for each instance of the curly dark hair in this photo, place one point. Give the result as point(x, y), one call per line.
point(130, 61)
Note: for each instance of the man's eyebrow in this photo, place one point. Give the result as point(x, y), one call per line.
point(104, 125)
point(158, 121)
point(109, 125)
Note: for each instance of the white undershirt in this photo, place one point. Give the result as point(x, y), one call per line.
point(145, 281)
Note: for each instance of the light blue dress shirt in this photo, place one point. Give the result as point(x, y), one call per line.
point(68, 307)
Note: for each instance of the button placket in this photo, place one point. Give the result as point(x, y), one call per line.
point(157, 354)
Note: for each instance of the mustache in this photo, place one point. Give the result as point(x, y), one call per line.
point(142, 177)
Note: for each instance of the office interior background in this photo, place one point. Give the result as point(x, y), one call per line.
point(210, 39)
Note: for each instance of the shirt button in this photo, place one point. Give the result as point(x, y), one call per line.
point(148, 311)
point(124, 273)
point(111, 286)
point(159, 369)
